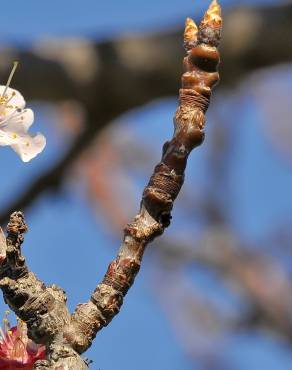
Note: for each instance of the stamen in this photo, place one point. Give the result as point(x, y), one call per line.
point(8, 100)
point(19, 349)
point(15, 64)
point(2, 335)
point(7, 118)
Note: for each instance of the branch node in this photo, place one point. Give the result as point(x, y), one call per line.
point(16, 228)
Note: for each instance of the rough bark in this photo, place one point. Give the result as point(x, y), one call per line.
point(44, 309)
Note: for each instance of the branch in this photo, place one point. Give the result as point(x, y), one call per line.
point(164, 185)
point(264, 284)
point(243, 48)
point(44, 309)
point(123, 62)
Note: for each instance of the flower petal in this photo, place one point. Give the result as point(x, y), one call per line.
point(14, 124)
point(8, 138)
point(29, 147)
point(17, 99)
point(20, 122)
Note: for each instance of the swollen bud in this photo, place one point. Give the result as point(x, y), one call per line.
point(212, 16)
point(190, 34)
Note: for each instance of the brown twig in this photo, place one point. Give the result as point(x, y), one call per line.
point(44, 308)
point(158, 197)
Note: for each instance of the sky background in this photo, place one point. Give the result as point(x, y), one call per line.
point(140, 336)
point(34, 19)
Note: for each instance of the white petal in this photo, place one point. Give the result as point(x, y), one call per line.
point(29, 147)
point(14, 124)
point(16, 100)
point(8, 138)
point(20, 122)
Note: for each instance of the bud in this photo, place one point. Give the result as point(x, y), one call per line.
point(190, 34)
point(212, 16)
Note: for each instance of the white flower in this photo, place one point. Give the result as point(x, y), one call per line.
point(15, 121)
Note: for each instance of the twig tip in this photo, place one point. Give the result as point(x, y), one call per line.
point(190, 33)
point(213, 15)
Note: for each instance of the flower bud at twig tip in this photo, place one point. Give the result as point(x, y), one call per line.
point(190, 34)
point(213, 15)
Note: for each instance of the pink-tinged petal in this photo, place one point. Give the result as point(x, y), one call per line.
point(17, 351)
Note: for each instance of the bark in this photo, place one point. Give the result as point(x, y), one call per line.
point(43, 308)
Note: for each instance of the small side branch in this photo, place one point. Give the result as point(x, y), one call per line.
point(154, 216)
point(42, 308)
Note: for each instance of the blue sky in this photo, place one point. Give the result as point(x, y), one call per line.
point(141, 330)
point(29, 20)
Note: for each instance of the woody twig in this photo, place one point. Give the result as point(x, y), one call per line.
point(44, 309)
point(154, 216)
